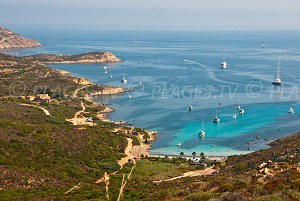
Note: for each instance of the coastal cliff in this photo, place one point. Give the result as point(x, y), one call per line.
point(9, 39)
point(91, 57)
point(109, 90)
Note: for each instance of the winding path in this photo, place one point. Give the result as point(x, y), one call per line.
point(46, 111)
point(207, 171)
point(124, 160)
point(76, 120)
point(76, 91)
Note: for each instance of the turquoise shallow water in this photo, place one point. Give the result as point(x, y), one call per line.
point(182, 67)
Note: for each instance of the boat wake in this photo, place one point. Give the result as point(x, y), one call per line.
point(211, 73)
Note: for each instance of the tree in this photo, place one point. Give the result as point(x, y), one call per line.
point(146, 137)
point(194, 154)
point(202, 155)
point(181, 154)
point(166, 158)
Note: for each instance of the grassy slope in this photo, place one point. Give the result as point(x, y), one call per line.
point(21, 73)
point(42, 156)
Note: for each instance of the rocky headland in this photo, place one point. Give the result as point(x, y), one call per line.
point(9, 39)
point(91, 57)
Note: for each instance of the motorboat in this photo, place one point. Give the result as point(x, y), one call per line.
point(223, 64)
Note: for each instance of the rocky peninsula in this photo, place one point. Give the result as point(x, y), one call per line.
point(9, 39)
point(91, 57)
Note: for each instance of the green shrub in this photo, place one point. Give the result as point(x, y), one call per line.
point(162, 194)
point(110, 167)
point(294, 195)
point(135, 141)
point(201, 196)
point(268, 198)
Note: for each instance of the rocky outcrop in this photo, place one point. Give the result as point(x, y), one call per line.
point(91, 57)
point(9, 39)
point(108, 91)
point(82, 81)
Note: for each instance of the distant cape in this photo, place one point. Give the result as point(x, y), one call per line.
point(9, 39)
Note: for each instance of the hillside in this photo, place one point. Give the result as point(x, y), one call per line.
point(9, 39)
point(91, 57)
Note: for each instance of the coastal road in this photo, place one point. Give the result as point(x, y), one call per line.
point(46, 111)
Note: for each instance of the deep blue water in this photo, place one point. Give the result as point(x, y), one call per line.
point(179, 67)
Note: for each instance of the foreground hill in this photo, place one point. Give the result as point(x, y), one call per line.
point(91, 57)
point(9, 39)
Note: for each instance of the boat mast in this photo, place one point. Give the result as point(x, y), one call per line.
point(278, 67)
point(202, 124)
point(124, 74)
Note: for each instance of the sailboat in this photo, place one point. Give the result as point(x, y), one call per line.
point(234, 116)
point(190, 107)
point(124, 78)
point(223, 64)
point(202, 132)
point(291, 110)
point(110, 76)
point(278, 80)
point(216, 119)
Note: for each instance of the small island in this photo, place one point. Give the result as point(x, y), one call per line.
point(91, 57)
point(9, 39)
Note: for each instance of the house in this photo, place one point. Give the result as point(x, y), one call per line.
point(31, 98)
point(22, 97)
point(43, 97)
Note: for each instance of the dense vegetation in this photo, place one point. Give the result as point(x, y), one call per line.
point(22, 77)
point(50, 151)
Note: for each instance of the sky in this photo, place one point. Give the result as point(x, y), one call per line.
point(223, 13)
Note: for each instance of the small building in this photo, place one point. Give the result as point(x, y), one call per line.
point(31, 98)
point(43, 97)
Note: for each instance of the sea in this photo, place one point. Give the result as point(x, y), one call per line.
point(179, 67)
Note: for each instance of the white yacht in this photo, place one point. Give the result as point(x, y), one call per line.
point(202, 132)
point(238, 107)
point(178, 144)
point(105, 67)
point(216, 119)
point(124, 78)
point(190, 108)
point(278, 80)
point(129, 96)
point(242, 111)
point(223, 64)
point(291, 110)
point(110, 75)
point(234, 116)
